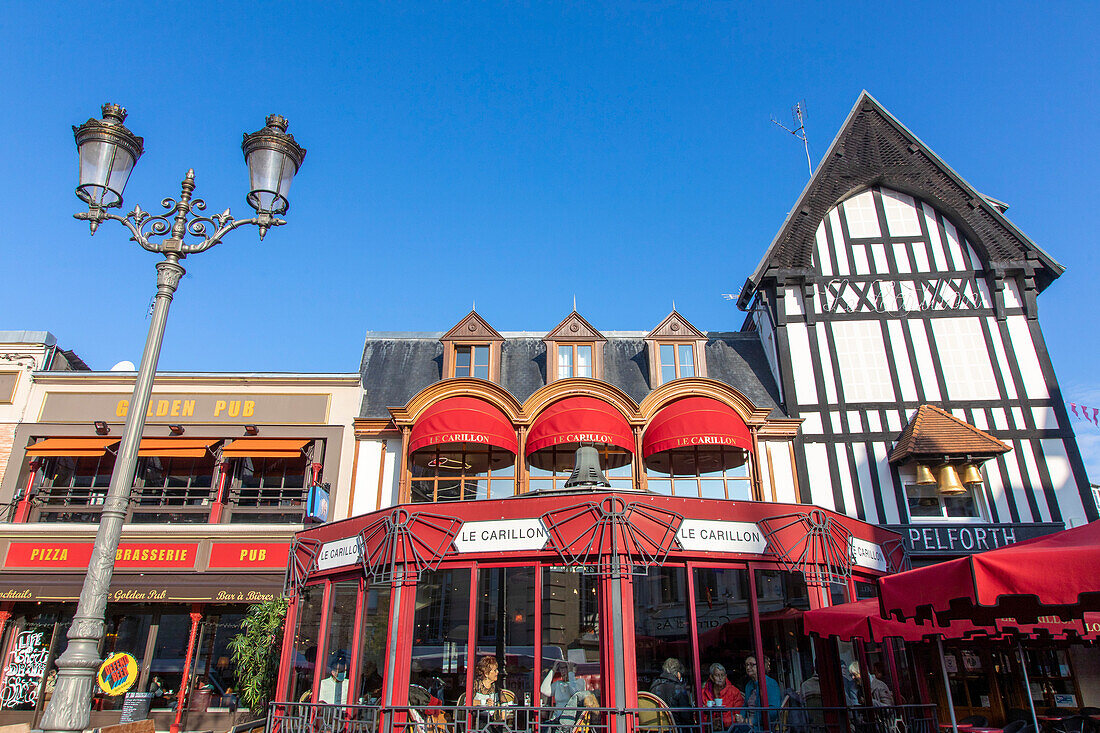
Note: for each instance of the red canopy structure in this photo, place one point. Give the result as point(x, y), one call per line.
point(862, 620)
point(1053, 575)
point(463, 420)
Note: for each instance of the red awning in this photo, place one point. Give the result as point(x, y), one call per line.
point(580, 420)
point(463, 420)
point(862, 620)
point(695, 421)
point(1053, 575)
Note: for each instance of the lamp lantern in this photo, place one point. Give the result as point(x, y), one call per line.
point(108, 152)
point(273, 158)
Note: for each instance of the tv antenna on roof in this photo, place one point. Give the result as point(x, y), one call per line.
point(798, 114)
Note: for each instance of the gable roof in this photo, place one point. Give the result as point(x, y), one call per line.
point(472, 326)
point(675, 326)
point(574, 328)
point(874, 148)
point(934, 432)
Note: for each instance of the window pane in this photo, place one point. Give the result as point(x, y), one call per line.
point(462, 357)
point(481, 356)
point(584, 361)
point(305, 640)
point(668, 373)
point(213, 658)
point(961, 506)
point(481, 371)
point(565, 362)
point(724, 621)
point(439, 648)
point(372, 642)
point(335, 686)
point(506, 626)
point(788, 660)
point(570, 637)
point(687, 360)
point(668, 355)
point(662, 632)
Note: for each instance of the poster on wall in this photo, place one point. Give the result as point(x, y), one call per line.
point(24, 668)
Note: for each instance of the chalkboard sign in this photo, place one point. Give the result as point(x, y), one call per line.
point(135, 706)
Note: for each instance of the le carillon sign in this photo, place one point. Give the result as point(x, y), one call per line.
point(966, 539)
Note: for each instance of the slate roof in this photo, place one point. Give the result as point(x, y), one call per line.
point(874, 148)
point(395, 366)
point(934, 432)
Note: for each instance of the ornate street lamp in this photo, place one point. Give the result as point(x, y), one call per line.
point(108, 152)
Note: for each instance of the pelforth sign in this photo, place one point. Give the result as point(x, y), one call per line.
point(964, 539)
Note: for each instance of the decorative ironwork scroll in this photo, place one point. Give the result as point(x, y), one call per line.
point(610, 536)
point(812, 543)
point(417, 541)
point(897, 557)
point(302, 563)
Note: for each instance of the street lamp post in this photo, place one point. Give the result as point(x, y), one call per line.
point(108, 152)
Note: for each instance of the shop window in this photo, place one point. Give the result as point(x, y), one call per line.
point(128, 630)
point(461, 472)
point(661, 628)
point(181, 483)
point(675, 361)
point(926, 502)
point(335, 687)
point(506, 625)
point(549, 468)
point(440, 652)
point(214, 680)
point(787, 656)
point(372, 643)
point(571, 628)
point(307, 636)
point(268, 490)
point(73, 489)
point(574, 360)
point(723, 617)
point(472, 360)
point(26, 660)
point(712, 472)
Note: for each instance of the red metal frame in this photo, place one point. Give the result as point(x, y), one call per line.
point(184, 696)
point(23, 509)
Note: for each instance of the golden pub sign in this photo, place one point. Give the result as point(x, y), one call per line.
point(280, 409)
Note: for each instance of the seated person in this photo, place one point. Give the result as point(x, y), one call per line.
point(674, 691)
point(754, 699)
point(559, 685)
point(574, 718)
point(334, 688)
point(719, 692)
point(880, 694)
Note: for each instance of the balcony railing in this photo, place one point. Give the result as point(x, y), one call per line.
point(790, 717)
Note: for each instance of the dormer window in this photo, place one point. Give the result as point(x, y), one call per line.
point(472, 349)
point(676, 350)
point(472, 360)
point(574, 349)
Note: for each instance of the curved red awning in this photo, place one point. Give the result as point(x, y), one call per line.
point(463, 420)
point(580, 420)
point(695, 421)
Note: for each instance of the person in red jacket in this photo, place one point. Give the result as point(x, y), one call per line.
point(719, 692)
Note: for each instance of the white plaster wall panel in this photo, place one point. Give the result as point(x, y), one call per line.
point(920, 258)
point(954, 250)
point(817, 466)
point(983, 292)
point(805, 386)
point(838, 243)
point(975, 261)
point(1012, 294)
point(1017, 414)
point(824, 256)
point(765, 471)
point(874, 421)
point(365, 498)
point(1024, 348)
point(1061, 478)
point(1045, 418)
point(860, 259)
point(784, 472)
point(825, 363)
point(1031, 470)
point(1014, 482)
point(855, 421)
point(893, 421)
point(767, 337)
point(926, 371)
point(887, 490)
point(863, 362)
point(391, 474)
point(863, 476)
point(964, 358)
point(994, 330)
point(792, 298)
point(901, 214)
point(861, 215)
point(1000, 418)
point(939, 257)
point(959, 413)
point(878, 254)
point(811, 423)
point(901, 362)
point(978, 420)
point(847, 487)
point(834, 417)
point(901, 258)
point(995, 485)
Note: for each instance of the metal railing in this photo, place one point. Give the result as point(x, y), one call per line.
point(787, 718)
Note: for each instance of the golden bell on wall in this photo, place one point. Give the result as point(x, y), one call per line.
point(924, 475)
point(971, 474)
point(949, 483)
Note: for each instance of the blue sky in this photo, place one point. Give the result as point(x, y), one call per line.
point(516, 154)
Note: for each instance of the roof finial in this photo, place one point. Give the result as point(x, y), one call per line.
point(674, 304)
point(473, 305)
point(574, 302)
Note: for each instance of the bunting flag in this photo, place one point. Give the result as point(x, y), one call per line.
point(1086, 412)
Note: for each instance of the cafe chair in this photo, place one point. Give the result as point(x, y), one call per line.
point(654, 715)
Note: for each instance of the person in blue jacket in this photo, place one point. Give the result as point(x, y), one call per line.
point(753, 698)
